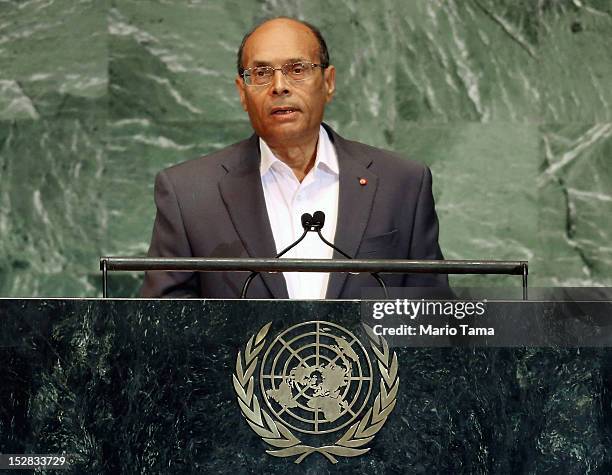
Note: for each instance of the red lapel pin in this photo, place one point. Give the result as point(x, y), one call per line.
point(363, 181)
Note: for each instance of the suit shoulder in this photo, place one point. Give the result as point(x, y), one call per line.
point(207, 167)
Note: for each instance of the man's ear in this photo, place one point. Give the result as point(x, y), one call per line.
point(241, 91)
point(329, 78)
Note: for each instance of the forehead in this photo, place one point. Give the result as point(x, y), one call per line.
point(280, 40)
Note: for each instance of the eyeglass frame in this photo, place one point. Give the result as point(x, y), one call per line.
point(312, 65)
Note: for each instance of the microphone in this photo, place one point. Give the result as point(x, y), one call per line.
point(306, 220)
point(308, 225)
point(314, 222)
point(318, 220)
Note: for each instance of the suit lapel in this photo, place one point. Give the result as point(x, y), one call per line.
point(354, 205)
point(243, 196)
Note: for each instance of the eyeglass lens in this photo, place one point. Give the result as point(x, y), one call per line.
point(262, 75)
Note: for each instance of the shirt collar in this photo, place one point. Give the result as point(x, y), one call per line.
point(326, 155)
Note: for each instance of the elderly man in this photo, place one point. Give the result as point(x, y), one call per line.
point(247, 200)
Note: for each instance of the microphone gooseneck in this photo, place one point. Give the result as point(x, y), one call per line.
point(307, 224)
point(318, 220)
point(314, 222)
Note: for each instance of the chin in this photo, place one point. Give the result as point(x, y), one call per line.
point(283, 132)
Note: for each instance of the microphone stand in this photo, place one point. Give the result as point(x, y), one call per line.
point(311, 223)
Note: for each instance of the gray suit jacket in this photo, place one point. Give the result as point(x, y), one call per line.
point(214, 207)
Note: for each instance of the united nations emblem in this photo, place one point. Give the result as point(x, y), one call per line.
point(316, 379)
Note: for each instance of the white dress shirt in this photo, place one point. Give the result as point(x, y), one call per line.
point(287, 199)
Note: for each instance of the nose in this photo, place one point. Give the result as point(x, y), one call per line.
point(280, 85)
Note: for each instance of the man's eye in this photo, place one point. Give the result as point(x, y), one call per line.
point(297, 68)
point(260, 73)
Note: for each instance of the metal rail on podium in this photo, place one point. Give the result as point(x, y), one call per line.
point(353, 266)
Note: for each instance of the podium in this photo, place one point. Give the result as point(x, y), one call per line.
point(149, 386)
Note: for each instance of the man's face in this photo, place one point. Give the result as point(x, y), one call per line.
point(274, 44)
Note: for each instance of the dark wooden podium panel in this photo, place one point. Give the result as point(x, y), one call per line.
point(146, 386)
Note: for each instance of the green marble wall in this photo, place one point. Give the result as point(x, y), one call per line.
point(506, 100)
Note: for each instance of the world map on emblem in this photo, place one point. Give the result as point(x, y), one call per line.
point(316, 377)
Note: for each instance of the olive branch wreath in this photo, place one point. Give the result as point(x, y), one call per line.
point(276, 434)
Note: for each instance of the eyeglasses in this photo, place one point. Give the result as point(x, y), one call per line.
point(262, 75)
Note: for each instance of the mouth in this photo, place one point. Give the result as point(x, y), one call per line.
point(284, 110)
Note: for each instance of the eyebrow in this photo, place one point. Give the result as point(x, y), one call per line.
point(289, 61)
